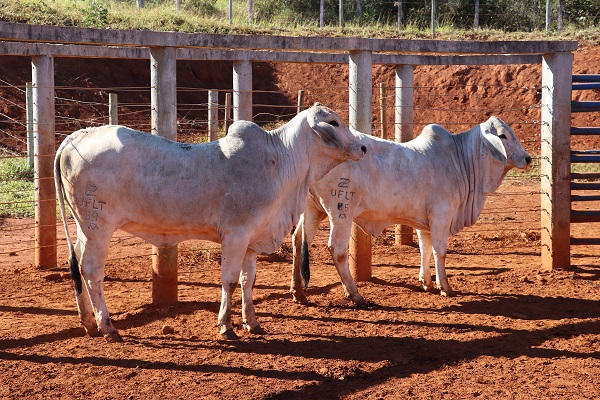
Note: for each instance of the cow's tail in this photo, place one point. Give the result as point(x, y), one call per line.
point(60, 193)
point(304, 260)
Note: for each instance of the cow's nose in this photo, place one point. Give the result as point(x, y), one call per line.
point(528, 160)
point(363, 148)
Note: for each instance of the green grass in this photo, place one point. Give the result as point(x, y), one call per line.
point(16, 188)
point(211, 16)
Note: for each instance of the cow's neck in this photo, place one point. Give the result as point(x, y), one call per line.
point(474, 172)
point(296, 169)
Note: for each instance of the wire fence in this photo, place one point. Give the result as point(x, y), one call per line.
point(506, 15)
point(458, 105)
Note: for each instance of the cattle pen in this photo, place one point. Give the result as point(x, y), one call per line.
point(520, 326)
point(163, 49)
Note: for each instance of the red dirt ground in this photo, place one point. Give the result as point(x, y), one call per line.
point(512, 332)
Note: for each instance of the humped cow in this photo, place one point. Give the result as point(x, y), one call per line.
point(436, 183)
point(245, 191)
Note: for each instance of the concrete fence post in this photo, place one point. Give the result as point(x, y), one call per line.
point(383, 109)
point(213, 115)
point(113, 109)
point(227, 117)
point(44, 151)
point(164, 123)
point(404, 118)
point(361, 94)
point(300, 101)
point(242, 90)
point(555, 163)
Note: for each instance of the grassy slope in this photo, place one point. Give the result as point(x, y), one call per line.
point(164, 17)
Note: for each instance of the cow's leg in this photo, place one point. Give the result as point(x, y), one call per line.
point(426, 249)
point(247, 280)
point(232, 256)
point(439, 237)
point(339, 237)
point(82, 297)
point(302, 237)
point(93, 257)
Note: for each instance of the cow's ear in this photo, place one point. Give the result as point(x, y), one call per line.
point(322, 120)
point(328, 134)
point(492, 142)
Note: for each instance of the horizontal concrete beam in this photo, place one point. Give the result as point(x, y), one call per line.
point(96, 51)
point(63, 34)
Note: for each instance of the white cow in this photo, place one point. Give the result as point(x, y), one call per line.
point(245, 191)
point(436, 183)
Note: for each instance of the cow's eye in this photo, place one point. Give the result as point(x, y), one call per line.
point(333, 123)
point(502, 136)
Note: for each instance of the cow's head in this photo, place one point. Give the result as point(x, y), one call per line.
point(503, 143)
point(335, 133)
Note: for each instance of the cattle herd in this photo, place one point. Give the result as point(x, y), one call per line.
point(248, 189)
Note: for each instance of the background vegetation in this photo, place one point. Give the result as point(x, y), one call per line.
point(361, 17)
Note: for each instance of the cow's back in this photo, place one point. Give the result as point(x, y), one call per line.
point(394, 182)
point(116, 177)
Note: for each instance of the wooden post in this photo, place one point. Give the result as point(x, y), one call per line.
point(557, 75)
point(361, 94)
point(164, 123)
point(43, 170)
point(227, 118)
point(113, 109)
point(29, 121)
point(242, 90)
point(382, 110)
point(300, 101)
point(213, 115)
point(404, 118)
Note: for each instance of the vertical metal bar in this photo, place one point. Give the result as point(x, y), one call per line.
point(44, 152)
point(29, 122)
point(164, 123)
point(399, 15)
point(432, 18)
point(322, 13)
point(547, 15)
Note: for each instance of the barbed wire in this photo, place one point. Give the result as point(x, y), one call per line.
point(192, 115)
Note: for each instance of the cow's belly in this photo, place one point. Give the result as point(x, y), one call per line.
point(161, 235)
point(374, 222)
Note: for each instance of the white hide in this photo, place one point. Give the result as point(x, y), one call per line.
point(245, 191)
point(436, 183)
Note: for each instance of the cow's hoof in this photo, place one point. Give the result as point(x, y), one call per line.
point(256, 330)
point(113, 337)
point(299, 298)
point(428, 289)
point(229, 334)
point(447, 293)
point(93, 332)
point(367, 305)
point(362, 304)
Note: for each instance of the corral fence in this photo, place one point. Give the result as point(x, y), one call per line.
point(45, 43)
